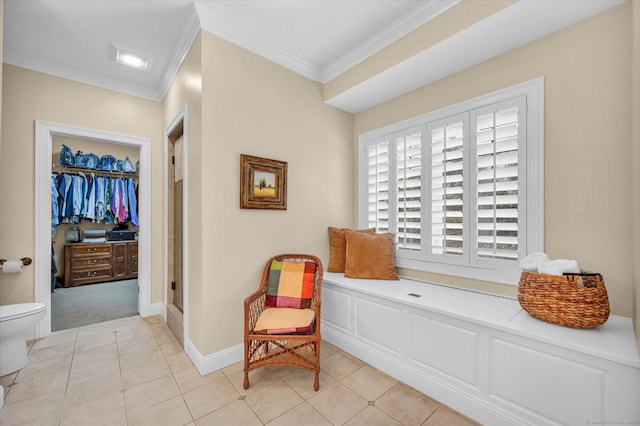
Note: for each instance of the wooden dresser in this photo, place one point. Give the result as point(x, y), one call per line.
point(86, 263)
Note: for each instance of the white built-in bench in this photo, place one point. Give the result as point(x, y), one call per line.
point(483, 355)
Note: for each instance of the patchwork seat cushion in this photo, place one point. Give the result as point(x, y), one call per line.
point(290, 284)
point(285, 321)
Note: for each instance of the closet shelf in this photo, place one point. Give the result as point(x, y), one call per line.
point(57, 168)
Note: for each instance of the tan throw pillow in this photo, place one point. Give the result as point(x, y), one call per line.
point(339, 247)
point(370, 256)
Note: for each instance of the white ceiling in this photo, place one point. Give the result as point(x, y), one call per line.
point(317, 38)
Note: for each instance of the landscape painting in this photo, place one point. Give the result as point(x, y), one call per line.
point(263, 183)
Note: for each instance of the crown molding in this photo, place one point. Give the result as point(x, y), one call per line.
point(180, 53)
point(407, 23)
point(519, 24)
point(214, 24)
point(90, 78)
point(393, 32)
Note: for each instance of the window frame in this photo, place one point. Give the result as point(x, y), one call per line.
point(532, 181)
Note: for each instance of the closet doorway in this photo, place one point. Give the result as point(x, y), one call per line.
point(45, 133)
point(176, 225)
point(94, 242)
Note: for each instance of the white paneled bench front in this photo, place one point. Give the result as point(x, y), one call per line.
point(483, 355)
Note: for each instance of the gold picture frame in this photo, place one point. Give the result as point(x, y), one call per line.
point(263, 183)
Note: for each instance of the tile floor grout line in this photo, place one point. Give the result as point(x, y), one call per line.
point(430, 415)
point(245, 401)
point(173, 374)
point(123, 389)
point(66, 388)
point(304, 400)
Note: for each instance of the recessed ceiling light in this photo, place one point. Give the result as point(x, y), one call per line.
point(129, 57)
point(132, 60)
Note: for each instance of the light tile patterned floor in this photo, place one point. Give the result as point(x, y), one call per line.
point(132, 371)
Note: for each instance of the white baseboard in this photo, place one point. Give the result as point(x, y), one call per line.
point(154, 309)
point(215, 361)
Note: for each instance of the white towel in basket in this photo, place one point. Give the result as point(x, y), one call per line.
point(531, 262)
point(558, 267)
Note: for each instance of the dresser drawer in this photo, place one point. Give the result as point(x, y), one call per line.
point(98, 274)
point(90, 250)
point(89, 262)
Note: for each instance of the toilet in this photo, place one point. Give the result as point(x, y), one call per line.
point(15, 323)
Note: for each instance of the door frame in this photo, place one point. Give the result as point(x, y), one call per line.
point(44, 133)
point(181, 117)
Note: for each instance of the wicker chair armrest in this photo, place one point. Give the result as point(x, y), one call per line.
point(255, 295)
point(253, 307)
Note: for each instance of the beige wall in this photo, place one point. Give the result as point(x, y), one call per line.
point(1, 60)
point(587, 71)
point(253, 106)
point(635, 18)
point(30, 96)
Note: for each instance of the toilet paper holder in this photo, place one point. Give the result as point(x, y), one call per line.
point(25, 261)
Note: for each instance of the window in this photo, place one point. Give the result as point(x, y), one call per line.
point(461, 188)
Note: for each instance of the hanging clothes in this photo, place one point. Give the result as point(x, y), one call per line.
point(101, 196)
point(133, 202)
point(116, 200)
point(55, 209)
point(95, 198)
point(68, 204)
point(91, 198)
point(66, 192)
point(54, 269)
point(78, 195)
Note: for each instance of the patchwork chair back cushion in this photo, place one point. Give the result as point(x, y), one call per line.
point(282, 318)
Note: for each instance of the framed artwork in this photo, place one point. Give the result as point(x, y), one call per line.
point(263, 183)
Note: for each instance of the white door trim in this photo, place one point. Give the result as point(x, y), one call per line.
point(42, 281)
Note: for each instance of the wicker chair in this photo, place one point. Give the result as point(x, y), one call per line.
point(265, 347)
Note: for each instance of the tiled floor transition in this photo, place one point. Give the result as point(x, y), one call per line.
point(132, 371)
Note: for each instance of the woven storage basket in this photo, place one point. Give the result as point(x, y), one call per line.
point(561, 300)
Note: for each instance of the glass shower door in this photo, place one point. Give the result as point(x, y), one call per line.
point(177, 226)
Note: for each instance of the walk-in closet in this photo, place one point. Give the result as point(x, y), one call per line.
point(94, 232)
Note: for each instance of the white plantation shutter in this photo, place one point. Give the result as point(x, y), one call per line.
point(409, 191)
point(447, 164)
point(498, 180)
point(378, 161)
point(461, 188)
